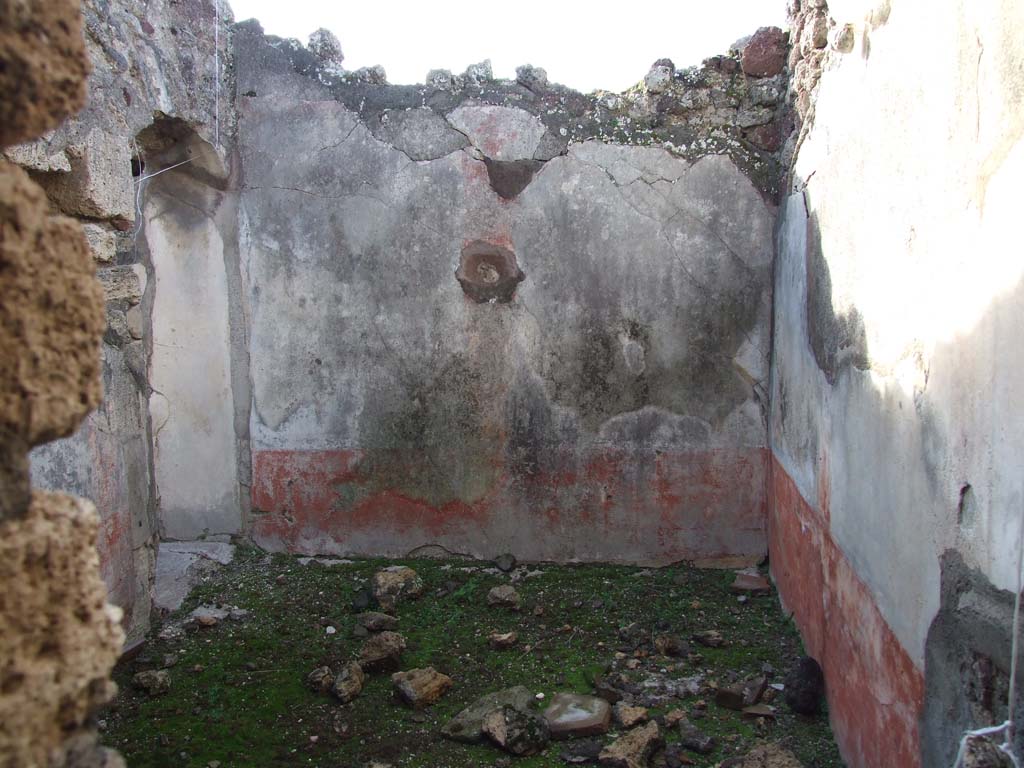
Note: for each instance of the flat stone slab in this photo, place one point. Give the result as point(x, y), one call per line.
point(177, 568)
point(571, 715)
point(468, 725)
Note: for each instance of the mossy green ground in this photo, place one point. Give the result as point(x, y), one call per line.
point(239, 696)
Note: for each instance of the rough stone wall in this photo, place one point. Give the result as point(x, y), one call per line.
point(495, 316)
point(58, 637)
point(152, 67)
point(897, 369)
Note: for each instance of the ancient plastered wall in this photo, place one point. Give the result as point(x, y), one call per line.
point(58, 637)
point(606, 407)
point(898, 372)
point(153, 64)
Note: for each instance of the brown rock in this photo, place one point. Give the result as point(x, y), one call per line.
point(375, 621)
point(769, 756)
point(674, 716)
point(420, 688)
point(382, 650)
point(348, 683)
point(765, 55)
point(710, 638)
point(759, 710)
point(627, 716)
point(45, 67)
point(504, 596)
point(320, 679)
point(517, 731)
point(394, 584)
point(731, 697)
point(51, 321)
point(670, 645)
point(502, 641)
point(154, 682)
point(60, 639)
point(634, 749)
point(751, 584)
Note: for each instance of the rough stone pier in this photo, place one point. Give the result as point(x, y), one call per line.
point(761, 311)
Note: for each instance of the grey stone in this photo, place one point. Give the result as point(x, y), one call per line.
point(467, 725)
point(501, 133)
point(325, 46)
point(572, 715)
point(534, 78)
point(382, 650)
point(374, 75)
point(395, 584)
point(128, 282)
point(422, 134)
point(153, 682)
point(179, 567)
point(440, 78)
point(377, 622)
point(506, 562)
point(693, 739)
point(517, 731)
point(477, 74)
point(504, 596)
point(348, 683)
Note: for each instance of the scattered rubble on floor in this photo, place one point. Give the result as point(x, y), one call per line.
point(592, 670)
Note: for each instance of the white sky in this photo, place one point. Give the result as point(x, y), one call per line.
point(608, 45)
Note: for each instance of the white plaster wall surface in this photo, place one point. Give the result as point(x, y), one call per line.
point(192, 406)
point(912, 169)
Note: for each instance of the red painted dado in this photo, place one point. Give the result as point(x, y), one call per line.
point(875, 692)
point(612, 505)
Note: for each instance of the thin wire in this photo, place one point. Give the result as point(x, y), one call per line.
point(1006, 728)
point(216, 73)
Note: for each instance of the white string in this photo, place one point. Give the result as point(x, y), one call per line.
point(1006, 728)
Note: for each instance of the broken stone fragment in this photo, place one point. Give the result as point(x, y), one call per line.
point(693, 739)
point(580, 752)
point(502, 641)
point(467, 725)
point(671, 645)
point(753, 690)
point(572, 715)
point(627, 716)
point(382, 650)
point(325, 46)
point(710, 638)
point(420, 688)
point(534, 78)
point(374, 621)
point(765, 756)
point(659, 79)
point(517, 731)
point(394, 584)
point(766, 52)
point(504, 596)
point(374, 75)
point(759, 710)
point(805, 687)
point(320, 679)
point(348, 683)
point(476, 74)
point(505, 563)
point(440, 78)
point(731, 697)
point(634, 749)
point(753, 584)
point(154, 682)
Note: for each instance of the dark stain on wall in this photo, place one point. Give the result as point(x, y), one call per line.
point(838, 340)
point(967, 662)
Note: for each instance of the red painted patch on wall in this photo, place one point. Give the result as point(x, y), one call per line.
point(636, 506)
point(875, 691)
